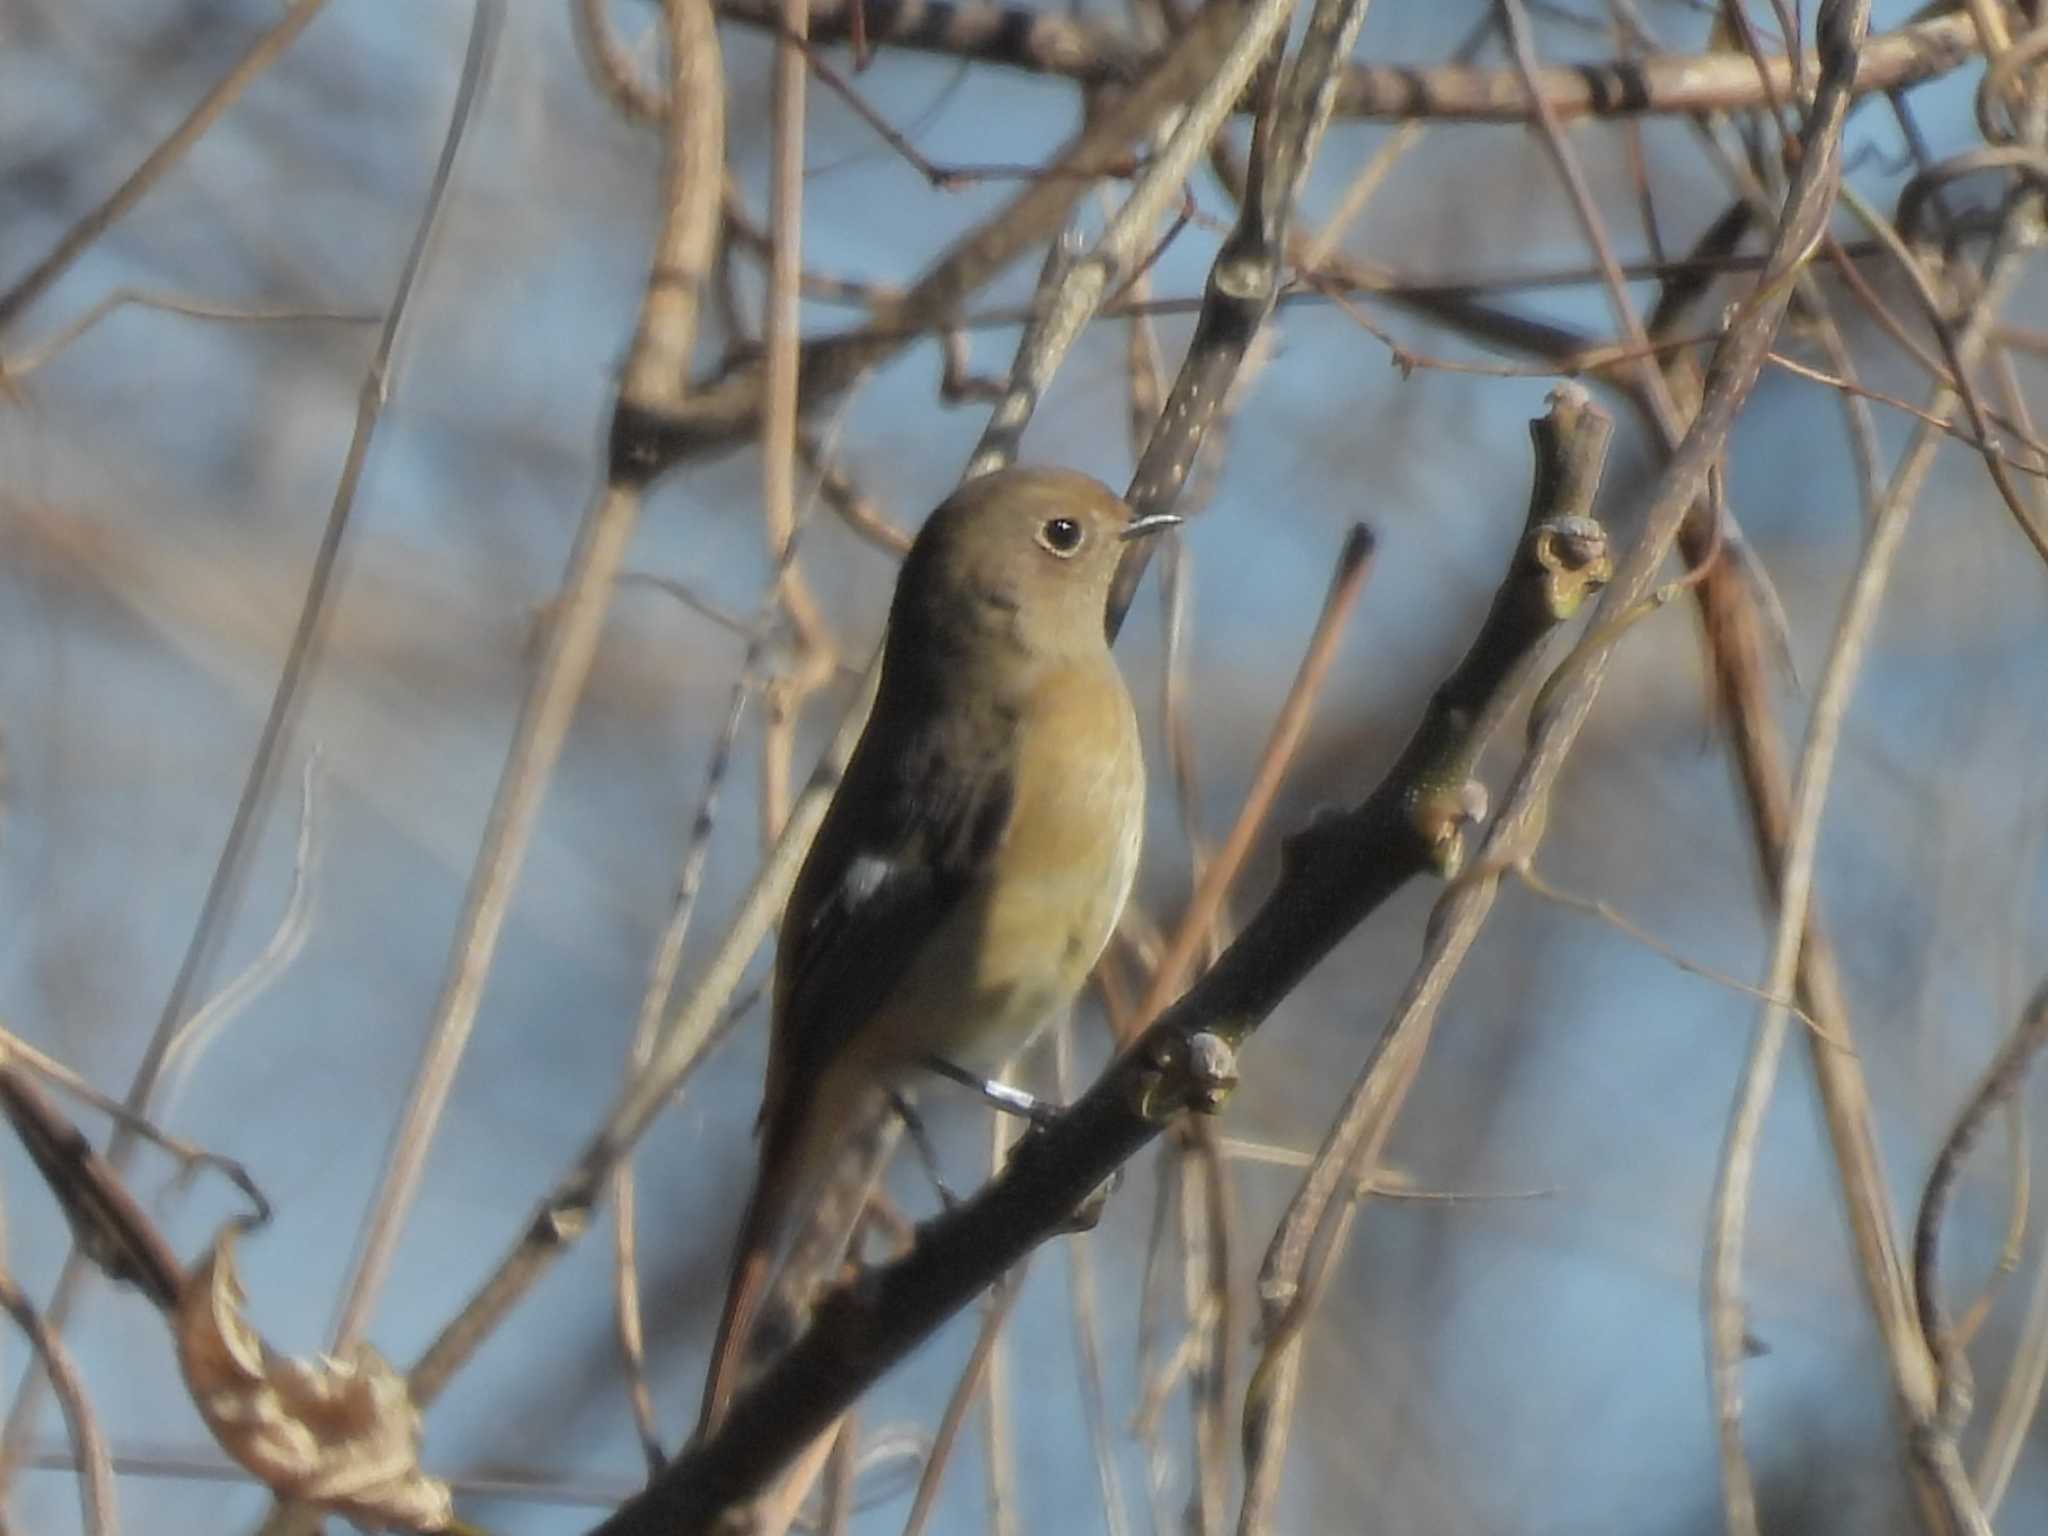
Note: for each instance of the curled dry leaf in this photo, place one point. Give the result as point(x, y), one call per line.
point(338, 1432)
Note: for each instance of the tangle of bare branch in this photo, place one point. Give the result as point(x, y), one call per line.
point(1096, 52)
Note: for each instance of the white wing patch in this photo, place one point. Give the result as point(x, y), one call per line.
point(866, 874)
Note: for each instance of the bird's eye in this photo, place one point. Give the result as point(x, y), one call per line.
point(1061, 535)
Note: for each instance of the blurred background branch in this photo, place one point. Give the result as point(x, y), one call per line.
point(730, 315)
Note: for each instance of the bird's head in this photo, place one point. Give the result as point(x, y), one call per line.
point(1020, 558)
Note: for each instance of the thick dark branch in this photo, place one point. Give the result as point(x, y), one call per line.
point(1333, 876)
point(1102, 53)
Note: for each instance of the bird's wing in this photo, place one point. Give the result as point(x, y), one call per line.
point(906, 840)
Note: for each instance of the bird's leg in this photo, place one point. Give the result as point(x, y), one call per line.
point(921, 1140)
point(1011, 1101)
point(1041, 1113)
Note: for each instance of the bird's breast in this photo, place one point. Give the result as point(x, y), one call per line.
point(1018, 949)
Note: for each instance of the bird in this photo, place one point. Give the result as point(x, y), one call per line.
point(976, 853)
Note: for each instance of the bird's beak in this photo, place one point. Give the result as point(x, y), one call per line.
point(1157, 522)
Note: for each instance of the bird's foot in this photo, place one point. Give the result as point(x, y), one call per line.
point(1011, 1101)
point(921, 1141)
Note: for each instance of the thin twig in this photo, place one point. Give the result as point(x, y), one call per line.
point(1607, 913)
point(1145, 393)
point(1347, 583)
point(1205, 1352)
point(695, 601)
point(844, 496)
point(742, 231)
point(27, 361)
point(294, 925)
point(190, 1155)
point(2016, 409)
point(611, 66)
point(2020, 1401)
point(1084, 283)
point(1937, 1439)
point(725, 412)
point(1153, 1385)
point(1000, 1302)
point(261, 55)
point(1652, 382)
point(654, 1000)
point(999, 1415)
point(780, 1508)
point(1452, 300)
point(984, 1375)
point(2020, 1174)
point(1244, 279)
point(784, 696)
point(667, 326)
point(1383, 1183)
point(1087, 1326)
point(1176, 605)
point(1095, 52)
point(562, 1214)
point(171, 1464)
point(88, 1443)
point(841, 1474)
point(1960, 366)
point(1725, 1323)
point(1999, 1085)
point(627, 1327)
point(1960, 431)
point(223, 891)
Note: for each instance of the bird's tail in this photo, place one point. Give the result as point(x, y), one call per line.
point(753, 1260)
